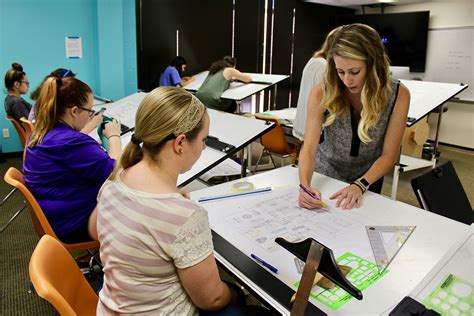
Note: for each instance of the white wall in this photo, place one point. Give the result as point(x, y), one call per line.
point(457, 125)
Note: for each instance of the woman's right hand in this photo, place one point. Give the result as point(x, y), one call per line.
point(112, 128)
point(307, 201)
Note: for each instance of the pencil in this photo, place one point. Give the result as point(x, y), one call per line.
point(314, 196)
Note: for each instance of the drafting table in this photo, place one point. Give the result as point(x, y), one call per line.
point(430, 241)
point(98, 100)
point(459, 261)
point(239, 91)
point(425, 96)
point(238, 131)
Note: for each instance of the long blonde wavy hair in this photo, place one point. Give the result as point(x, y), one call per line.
point(166, 112)
point(361, 42)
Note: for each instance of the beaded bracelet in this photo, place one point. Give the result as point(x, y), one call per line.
point(359, 186)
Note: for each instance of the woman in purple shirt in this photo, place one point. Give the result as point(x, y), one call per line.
point(64, 168)
point(172, 75)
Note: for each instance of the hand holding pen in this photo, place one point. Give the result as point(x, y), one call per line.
point(310, 198)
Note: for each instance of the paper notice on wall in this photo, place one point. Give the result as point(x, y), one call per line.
point(73, 47)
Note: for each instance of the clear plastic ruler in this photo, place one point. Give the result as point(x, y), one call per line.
point(386, 242)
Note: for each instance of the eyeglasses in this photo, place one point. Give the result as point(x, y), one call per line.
point(26, 82)
point(91, 111)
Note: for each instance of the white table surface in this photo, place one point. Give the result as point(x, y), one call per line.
point(229, 128)
point(425, 96)
point(459, 261)
point(239, 90)
point(432, 239)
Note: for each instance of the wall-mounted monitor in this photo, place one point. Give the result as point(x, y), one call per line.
point(405, 35)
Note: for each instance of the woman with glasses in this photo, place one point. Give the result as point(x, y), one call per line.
point(63, 73)
point(17, 84)
point(64, 168)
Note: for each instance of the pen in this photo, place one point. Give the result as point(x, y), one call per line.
point(265, 264)
point(314, 196)
point(231, 195)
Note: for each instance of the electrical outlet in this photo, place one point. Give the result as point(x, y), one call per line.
point(6, 132)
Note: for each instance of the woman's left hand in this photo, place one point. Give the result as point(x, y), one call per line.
point(348, 198)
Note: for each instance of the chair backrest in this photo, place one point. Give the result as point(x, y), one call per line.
point(440, 191)
point(28, 127)
point(57, 278)
point(19, 129)
point(274, 140)
point(40, 222)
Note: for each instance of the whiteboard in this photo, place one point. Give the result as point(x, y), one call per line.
point(449, 58)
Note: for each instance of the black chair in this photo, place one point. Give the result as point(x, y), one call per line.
point(440, 191)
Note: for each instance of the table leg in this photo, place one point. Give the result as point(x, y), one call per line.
point(243, 163)
point(438, 124)
point(274, 96)
point(238, 110)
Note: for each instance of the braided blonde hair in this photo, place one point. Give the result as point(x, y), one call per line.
point(166, 112)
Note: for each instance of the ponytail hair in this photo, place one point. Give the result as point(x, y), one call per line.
point(225, 62)
point(164, 114)
point(55, 97)
point(14, 74)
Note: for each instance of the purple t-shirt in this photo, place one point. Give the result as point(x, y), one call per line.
point(170, 77)
point(65, 172)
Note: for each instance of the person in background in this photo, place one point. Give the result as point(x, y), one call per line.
point(155, 243)
point(16, 83)
point(357, 116)
point(221, 73)
point(57, 73)
point(172, 75)
point(313, 73)
point(64, 168)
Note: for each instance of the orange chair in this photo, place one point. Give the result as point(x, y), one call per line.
point(24, 132)
point(58, 279)
point(19, 129)
point(274, 142)
point(42, 226)
point(28, 127)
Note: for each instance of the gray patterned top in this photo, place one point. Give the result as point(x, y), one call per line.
point(341, 155)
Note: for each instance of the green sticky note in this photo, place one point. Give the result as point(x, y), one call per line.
point(453, 296)
point(362, 275)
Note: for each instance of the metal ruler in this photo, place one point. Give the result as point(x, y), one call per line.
point(386, 242)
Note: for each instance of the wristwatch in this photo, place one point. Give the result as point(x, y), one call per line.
point(364, 182)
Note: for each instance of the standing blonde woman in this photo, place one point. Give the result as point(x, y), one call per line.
point(356, 119)
point(156, 244)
